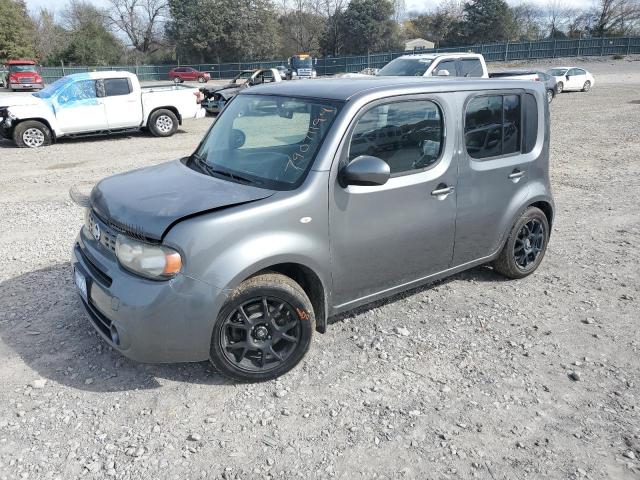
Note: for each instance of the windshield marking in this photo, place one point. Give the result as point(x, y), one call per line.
point(304, 147)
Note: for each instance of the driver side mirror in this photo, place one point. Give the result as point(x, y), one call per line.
point(443, 73)
point(365, 170)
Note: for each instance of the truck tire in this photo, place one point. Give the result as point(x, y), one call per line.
point(526, 245)
point(162, 123)
point(31, 134)
point(264, 329)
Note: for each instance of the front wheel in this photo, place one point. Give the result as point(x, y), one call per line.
point(163, 123)
point(177, 80)
point(263, 330)
point(559, 87)
point(587, 86)
point(31, 134)
point(526, 245)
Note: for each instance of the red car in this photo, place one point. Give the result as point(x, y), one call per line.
point(22, 75)
point(181, 74)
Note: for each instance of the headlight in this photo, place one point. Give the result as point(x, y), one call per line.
point(152, 261)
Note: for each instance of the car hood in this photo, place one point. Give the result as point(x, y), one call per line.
point(148, 201)
point(19, 100)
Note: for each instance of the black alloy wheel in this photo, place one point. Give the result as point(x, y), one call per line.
point(525, 246)
point(261, 334)
point(263, 330)
point(529, 243)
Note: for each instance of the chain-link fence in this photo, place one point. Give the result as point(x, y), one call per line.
point(494, 52)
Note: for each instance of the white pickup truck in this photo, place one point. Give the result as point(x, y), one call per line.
point(96, 103)
point(468, 65)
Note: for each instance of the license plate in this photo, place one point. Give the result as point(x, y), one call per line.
point(81, 283)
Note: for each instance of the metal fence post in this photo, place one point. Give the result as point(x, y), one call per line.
point(579, 44)
point(553, 54)
point(506, 51)
point(602, 48)
point(628, 45)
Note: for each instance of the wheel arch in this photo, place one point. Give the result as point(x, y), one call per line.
point(306, 277)
point(166, 107)
point(44, 121)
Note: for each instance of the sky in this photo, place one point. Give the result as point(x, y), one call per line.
point(34, 5)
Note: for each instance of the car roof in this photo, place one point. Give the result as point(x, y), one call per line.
point(102, 74)
point(442, 54)
point(19, 62)
point(347, 88)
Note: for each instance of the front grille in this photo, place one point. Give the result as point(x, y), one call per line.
point(26, 80)
point(107, 237)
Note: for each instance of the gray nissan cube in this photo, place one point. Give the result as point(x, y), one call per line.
point(305, 200)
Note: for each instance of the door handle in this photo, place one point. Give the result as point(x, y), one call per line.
point(442, 191)
point(516, 174)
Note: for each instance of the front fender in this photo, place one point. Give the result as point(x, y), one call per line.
point(38, 112)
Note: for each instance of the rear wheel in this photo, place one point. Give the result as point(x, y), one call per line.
point(263, 330)
point(163, 123)
point(559, 87)
point(202, 80)
point(31, 134)
point(587, 86)
point(549, 96)
point(526, 245)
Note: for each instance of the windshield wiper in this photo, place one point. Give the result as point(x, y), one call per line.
point(206, 168)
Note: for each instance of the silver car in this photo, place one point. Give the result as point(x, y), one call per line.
point(307, 199)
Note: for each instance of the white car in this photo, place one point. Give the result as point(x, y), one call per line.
point(469, 65)
point(96, 103)
point(572, 79)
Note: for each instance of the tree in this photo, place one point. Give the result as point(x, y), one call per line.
point(92, 44)
point(223, 30)
point(333, 37)
point(441, 26)
point(16, 30)
point(615, 17)
point(301, 26)
point(527, 18)
point(488, 21)
point(141, 21)
point(50, 38)
point(369, 27)
point(89, 40)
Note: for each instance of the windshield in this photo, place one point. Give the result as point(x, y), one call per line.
point(22, 68)
point(266, 141)
point(302, 62)
point(405, 67)
point(557, 72)
point(50, 90)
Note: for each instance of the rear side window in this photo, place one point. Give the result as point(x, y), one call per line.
point(406, 135)
point(470, 67)
point(116, 86)
point(493, 126)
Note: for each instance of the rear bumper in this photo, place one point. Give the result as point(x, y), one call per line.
point(147, 321)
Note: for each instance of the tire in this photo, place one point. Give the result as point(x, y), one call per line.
point(526, 245)
point(162, 123)
point(176, 80)
point(249, 346)
point(31, 134)
point(202, 80)
point(587, 86)
point(559, 87)
point(550, 96)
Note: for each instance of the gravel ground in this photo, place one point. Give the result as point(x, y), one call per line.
point(474, 377)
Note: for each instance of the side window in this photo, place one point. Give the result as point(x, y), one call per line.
point(116, 86)
point(448, 65)
point(406, 135)
point(572, 72)
point(78, 91)
point(579, 71)
point(470, 67)
point(493, 126)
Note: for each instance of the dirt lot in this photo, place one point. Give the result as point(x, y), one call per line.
point(480, 388)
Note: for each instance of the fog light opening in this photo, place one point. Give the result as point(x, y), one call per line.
point(115, 337)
